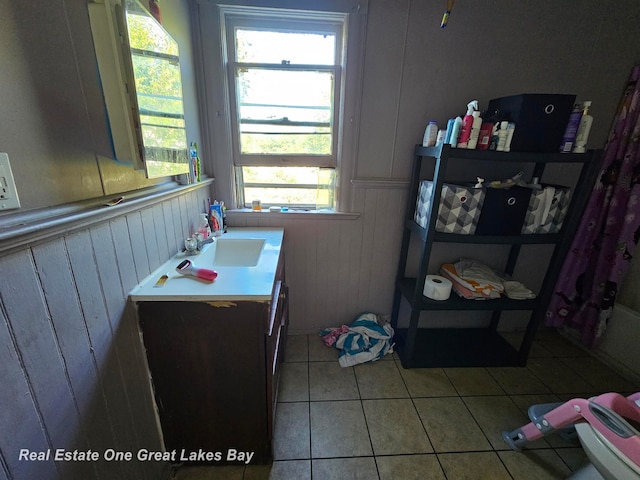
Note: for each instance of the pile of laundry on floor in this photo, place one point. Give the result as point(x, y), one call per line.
point(368, 338)
point(472, 279)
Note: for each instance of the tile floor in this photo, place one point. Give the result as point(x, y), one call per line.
point(380, 421)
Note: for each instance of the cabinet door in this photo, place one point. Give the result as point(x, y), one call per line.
point(207, 367)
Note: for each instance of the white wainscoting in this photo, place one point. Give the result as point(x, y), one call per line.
point(339, 266)
point(74, 373)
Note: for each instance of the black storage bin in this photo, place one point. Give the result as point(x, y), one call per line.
point(503, 211)
point(541, 119)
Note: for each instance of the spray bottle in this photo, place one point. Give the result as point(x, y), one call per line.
point(475, 131)
point(467, 124)
point(584, 129)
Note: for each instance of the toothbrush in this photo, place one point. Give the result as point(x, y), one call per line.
point(189, 269)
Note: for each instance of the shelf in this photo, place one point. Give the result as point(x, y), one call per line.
point(532, 239)
point(493, 156)
point(457, 347)
point(407, 287)
point(474, 347)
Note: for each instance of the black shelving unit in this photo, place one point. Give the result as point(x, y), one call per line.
point(470, 347)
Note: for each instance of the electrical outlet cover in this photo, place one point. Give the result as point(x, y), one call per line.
point(8, 193)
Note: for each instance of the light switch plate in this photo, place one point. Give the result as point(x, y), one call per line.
point(8, 193)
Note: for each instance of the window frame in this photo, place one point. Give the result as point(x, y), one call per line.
point(214, 91)
point(271, 20)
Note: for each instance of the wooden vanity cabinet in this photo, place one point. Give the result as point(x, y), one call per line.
point(214, 369)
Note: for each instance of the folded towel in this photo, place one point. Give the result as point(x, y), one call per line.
point(517, 290)
point(489, 290)
point(463, 291)
point(475, 271)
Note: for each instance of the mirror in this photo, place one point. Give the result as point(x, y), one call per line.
point(139, 67)
point(155, 63)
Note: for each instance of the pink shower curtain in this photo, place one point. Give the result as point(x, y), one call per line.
point(608, 233)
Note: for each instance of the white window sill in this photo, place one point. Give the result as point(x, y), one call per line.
point(307, 214)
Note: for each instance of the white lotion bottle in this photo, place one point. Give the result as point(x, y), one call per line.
point(584, 129)
point(430, 134)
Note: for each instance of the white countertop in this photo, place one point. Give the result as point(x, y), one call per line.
point(233, 283)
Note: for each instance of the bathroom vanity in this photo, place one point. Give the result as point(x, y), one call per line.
point(214, 348)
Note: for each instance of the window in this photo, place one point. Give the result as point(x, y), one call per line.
point(286, 86)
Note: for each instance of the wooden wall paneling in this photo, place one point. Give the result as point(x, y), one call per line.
point(161, 233)
point(309, 268)
point(120, 233)
point(347, 252)
point(138, 247)
point(150, 238)
point(87, 282)
point(21, 424)
point(140, 392)
point(35, 339)
point(171, 234)
point(4, 475)
point(187, 226)
point(54, 271)
point(369, 218)
point(114, 298)
point(328, 255)
point(386, 239)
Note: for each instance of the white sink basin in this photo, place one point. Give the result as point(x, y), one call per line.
point(237, 252)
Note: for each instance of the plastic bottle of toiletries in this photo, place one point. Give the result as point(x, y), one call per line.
point(467, 124)
point(475, 131)
point(584, 129)
point(511, 128)
point(455, 132)
point(484, 138)
point(440, 137)
point(447, 136)
point(430, 134)
point(502, 136)
point(569, 137)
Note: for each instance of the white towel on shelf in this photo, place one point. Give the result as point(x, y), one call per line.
point(517, 290)
point(473, 270)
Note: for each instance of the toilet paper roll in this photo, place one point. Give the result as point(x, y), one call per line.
point(437, 287)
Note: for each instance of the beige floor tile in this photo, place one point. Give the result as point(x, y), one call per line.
point(218, 472)
point(449, 425)
point(329, 381)
point(363, 468)
point(498, 414)
point(409, 467)
point(558, 345)
point(339, 429)
point(395, 428)
point(473, 381)
point(258, 472)
point(427, 382)
point(294, 382)
point(558, 376)
point(603, 378)
point(297, 349)
point(575, 458)
point(517, 380)
point(319, 352)
point(291, 439)
point(289, 470)
point(473, 466)
point(380, 380)
point(515, 339)
point(534, 464)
